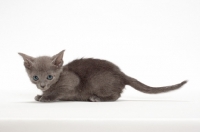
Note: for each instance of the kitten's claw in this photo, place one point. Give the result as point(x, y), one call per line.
point(37, 98)
point(94, 99)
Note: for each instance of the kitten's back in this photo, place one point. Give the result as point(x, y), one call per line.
point(83, 67)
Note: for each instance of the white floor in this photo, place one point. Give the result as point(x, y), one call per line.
point(123, 115)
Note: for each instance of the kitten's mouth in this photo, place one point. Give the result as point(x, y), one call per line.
point(43, 88)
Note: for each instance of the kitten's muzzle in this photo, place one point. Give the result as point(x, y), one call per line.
point(42, 85)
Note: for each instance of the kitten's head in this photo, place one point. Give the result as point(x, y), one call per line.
point(43, 71)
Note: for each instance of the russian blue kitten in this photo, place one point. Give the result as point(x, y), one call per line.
point(81, 80)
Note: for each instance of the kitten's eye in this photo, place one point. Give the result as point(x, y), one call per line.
point(49, 77)
point(35, 78)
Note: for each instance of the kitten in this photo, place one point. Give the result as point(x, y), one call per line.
point(81, 80)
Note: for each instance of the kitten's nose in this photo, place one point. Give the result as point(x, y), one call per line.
point(42, 85)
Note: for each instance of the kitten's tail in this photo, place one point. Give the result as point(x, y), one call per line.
point(152, 90)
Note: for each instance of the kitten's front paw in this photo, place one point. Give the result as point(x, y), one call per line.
point(45, 99)
point(37, 98)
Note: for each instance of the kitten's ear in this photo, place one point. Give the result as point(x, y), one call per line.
point(58, 59)
point(28, 60)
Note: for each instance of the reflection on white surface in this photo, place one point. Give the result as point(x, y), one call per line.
point(119, 116)
point(121, 109)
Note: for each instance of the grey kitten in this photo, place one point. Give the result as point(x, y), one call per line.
point(81, 80)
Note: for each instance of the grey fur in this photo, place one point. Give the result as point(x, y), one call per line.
point(82, 79)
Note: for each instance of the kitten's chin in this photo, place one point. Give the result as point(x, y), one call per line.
point(43, 89)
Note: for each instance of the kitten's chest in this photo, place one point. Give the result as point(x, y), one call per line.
point(68, 95)
point(69, 88)
point(74, 94)
point(65, 91)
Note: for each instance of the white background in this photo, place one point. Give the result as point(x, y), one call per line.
point(156, 42)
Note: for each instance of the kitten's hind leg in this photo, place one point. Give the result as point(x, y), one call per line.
point(110, 98)
point(95, 98)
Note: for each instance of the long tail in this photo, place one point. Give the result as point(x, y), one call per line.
point(152, 90)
